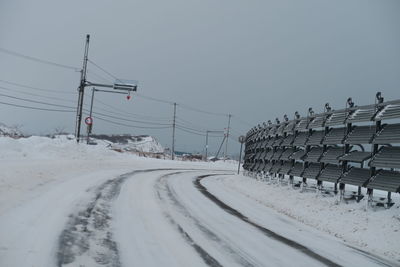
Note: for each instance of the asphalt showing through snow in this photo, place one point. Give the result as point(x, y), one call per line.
point(165, 191)
point(264, 230)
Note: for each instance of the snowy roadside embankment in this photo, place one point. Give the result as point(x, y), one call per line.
point(29, 166)
point(376, 231)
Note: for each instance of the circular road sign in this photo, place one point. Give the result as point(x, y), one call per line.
point(242, 139)
point(88, 120)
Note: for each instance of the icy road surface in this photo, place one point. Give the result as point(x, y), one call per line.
point(161, 217)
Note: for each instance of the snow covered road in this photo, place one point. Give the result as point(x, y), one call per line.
point(161, 217)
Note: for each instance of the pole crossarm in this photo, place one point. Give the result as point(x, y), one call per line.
point(99, 85)
point(107, 91)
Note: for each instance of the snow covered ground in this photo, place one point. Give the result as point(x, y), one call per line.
point(64, 204)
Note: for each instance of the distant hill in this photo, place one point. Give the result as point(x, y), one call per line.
point(140, 143)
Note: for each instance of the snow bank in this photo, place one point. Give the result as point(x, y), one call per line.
point(60, 147)
point(29, 165)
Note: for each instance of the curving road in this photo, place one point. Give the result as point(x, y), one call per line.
point(162, 217)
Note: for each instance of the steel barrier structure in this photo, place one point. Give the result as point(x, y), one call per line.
point(357, 145)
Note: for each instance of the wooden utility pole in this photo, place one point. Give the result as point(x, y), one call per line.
point(173, 134)
point(206, 157)
point(227, 136)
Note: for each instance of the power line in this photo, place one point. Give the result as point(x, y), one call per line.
point(203, 129)
point(123, 112)
point(184, 106)
point(35, 108)
point(102, 69)
point(187, 131)
point(61, 99)
point(123, 119)
point(195, 133)
point(71, 111)
point(37, 102)
point(161, 100)
point(32, 94)
point(63, 106)
point(35, 88)
point(72, 108)
point(201, 111)
point(43, 61)
point(101, 114)
point(128, 125)
point(191, 129)
point(155, 99)
point(90, 72)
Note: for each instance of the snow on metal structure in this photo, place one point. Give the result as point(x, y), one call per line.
point(326, 147)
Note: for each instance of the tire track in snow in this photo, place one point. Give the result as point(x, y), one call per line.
point(87, 239)
point(265, 231)
point(165, 191)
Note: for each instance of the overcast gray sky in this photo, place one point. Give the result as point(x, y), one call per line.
point(255, 59)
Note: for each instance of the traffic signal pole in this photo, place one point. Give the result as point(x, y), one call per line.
point(128, 87)
point(81, 89)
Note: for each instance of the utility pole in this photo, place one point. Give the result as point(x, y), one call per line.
point(82, 85)
point(206, 157)
point(227, 136)
point(207, 132)
point(219, 149)
point(173, 134)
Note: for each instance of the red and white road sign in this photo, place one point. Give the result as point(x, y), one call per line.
point(88, 120)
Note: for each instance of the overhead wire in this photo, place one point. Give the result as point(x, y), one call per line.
point(180, 126)
point(102, 69)
point(202, 111)
point(187, 131)
point(195, 133)
point(34, 108)
point(72, 109)
point(155, 99)
point(34, 101)
point(35, 88)
point(128, 125)
point(36, 59)
point(191, 129)
point(178, 118)
point(91, 72)
point(10, 52)
point(124, 119)
point(158, 99)
point(59, 99)
point(124, 112)
point(36, 95)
